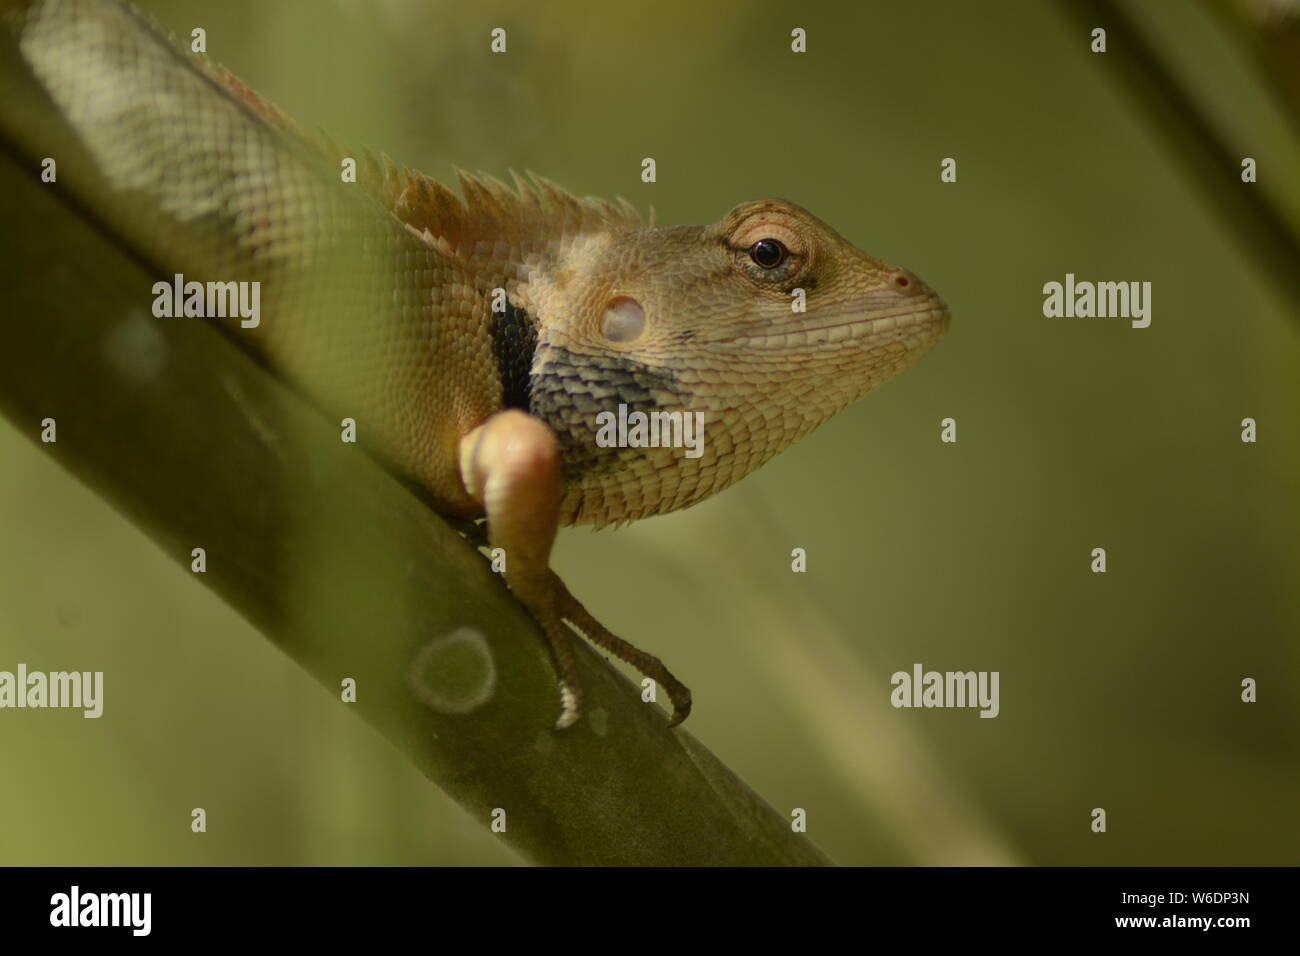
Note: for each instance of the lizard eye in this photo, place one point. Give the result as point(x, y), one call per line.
point(767, 253)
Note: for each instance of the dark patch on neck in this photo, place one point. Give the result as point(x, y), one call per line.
point(514, 340)
point(572, 388)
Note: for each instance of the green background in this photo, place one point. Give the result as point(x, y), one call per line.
point(1119, 691)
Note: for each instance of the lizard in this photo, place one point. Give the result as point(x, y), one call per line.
point(475, 339)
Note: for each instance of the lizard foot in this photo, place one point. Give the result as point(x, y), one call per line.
point(571, 609)
point(511, 465)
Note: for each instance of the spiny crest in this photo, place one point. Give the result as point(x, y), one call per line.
point(491, 211)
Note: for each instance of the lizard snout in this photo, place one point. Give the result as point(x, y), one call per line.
point(906, 282)
point(908, 285)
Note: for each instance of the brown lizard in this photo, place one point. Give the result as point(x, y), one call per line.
point(482, 343)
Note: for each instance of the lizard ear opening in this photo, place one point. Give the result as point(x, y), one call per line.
point(623, 321)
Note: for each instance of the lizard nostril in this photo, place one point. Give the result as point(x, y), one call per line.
point(904, 282)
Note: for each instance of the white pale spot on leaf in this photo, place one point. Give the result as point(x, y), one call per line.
point(135, 347)
point(454, 673)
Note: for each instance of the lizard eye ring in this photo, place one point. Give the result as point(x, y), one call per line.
point(767, 253)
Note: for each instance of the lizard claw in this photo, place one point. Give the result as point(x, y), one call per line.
point(681, 708)
point(570, 706)
point(649, 665)
point(566, 668)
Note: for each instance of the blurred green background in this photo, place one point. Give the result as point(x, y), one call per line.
point(1119, 691)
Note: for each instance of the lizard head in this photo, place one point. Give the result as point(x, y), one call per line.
point(767, 322)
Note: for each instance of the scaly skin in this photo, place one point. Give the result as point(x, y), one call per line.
point(378, 303)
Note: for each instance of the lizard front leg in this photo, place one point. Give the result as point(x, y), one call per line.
point(511, 465)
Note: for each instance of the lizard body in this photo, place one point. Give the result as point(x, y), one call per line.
point(476, 340)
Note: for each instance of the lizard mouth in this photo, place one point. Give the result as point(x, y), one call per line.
point(926, 320)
